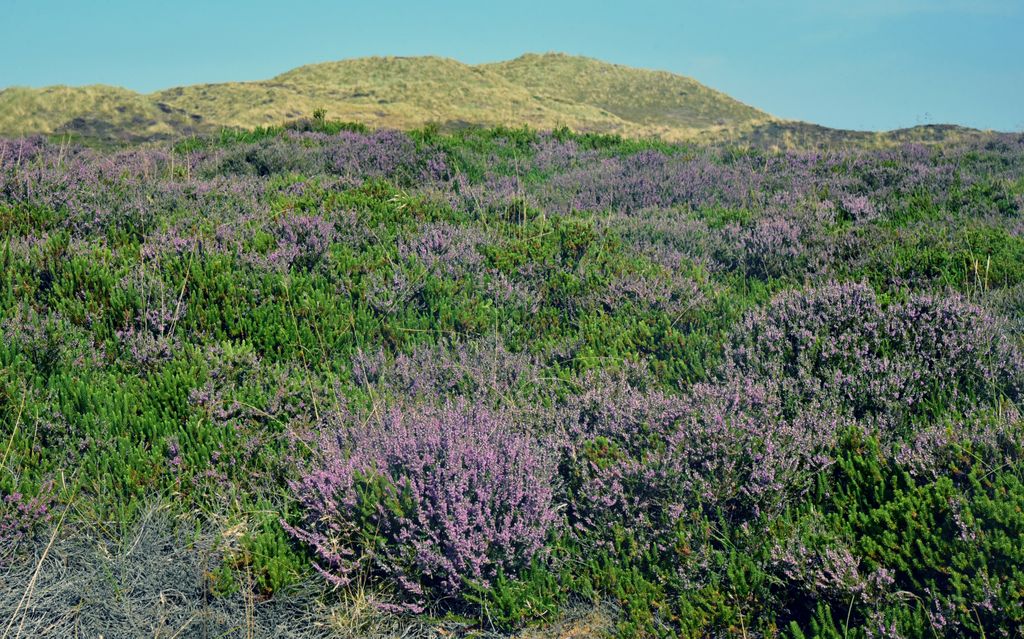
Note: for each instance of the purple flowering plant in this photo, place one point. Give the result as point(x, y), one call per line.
point(430, 497)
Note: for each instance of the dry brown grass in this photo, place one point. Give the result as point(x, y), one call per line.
point(153, 579)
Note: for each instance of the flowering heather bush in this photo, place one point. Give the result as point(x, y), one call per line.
point(608, 433)
point(266, 157)
point(552, 154)
point(20, 517)
point(672, 293)
point(170, 242)
point(352, 155)
point(500, 195)
point(483, 370)
point(429, 497)
point(641, 459)
point(858, 207)
point(962, 352)
point(48, 343)
point(938, 449)
point(446, 250)
point(772, 248)
point(647, 180)
point(379, 154)
point(1009, 303)
point(735, 449)
point(302, 241)
point(36, 338)
point(390, 294)
point(838, 347)
point(825, 567)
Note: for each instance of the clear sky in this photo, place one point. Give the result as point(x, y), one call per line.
point(862, 64)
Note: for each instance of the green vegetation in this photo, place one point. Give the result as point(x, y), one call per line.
point(737, 392)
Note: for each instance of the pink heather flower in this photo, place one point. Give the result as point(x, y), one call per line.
point(429, 497)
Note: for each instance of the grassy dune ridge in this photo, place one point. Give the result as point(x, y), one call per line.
point(542, 91)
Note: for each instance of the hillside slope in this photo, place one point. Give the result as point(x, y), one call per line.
point(648, 98)
point(542, 91)
point(97, 111)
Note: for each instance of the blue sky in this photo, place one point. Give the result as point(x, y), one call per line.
point(863, 64)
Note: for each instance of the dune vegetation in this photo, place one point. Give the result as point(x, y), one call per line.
point(327, 380)
point(542, 91)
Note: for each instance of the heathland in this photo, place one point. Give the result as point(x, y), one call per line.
point(322, 380)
